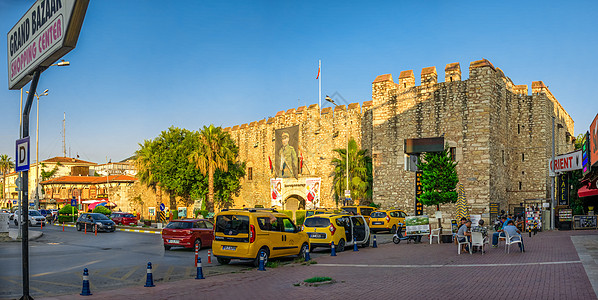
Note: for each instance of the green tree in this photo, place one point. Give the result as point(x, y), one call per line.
point(48, 174)
point(439, 179)
point(213, 153)
point(6, 164)
point(360, 173)
point(101, 210)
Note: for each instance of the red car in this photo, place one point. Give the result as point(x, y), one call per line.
point(123, 218)
point(188, 233)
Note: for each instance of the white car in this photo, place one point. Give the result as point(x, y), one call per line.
point(35, 218)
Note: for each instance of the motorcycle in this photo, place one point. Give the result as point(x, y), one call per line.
point(399, 236)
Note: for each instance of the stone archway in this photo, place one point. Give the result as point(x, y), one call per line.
point(294, 203)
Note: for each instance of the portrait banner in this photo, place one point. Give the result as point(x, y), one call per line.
point(312, 186)
point(287, 149)
point(276, 192)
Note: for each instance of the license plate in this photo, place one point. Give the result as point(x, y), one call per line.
point(377, 223)
point(174, 241)
point(317, 235)
point(231, 248)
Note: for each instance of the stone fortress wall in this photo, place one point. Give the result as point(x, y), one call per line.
point(500, 133)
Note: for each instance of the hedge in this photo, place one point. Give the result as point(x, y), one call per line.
point(102, 210)
point(64, 214)
point(300, 217)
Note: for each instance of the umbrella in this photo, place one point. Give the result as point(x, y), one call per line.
point(462, 209)
point(93, 205)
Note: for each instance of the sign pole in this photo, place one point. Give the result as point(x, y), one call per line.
point(25, 189)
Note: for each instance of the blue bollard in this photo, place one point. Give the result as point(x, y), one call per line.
point(307, 258)
point(261, 266)
point(149, 281)
point(332, 249)
point(85, 291)
point(355, 245)
point(374, 244)
point(199, 269)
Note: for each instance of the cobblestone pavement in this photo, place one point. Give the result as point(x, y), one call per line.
point(549, 269)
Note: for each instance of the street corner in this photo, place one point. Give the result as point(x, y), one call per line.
point(13, 236)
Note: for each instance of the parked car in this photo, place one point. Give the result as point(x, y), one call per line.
point(93, 220)
point(35, 218)
point(188, 233)
point(387, 220)
point(365, 211)
point(317, 211)
point(251, 234)
point(123, 218)
point(342, 229)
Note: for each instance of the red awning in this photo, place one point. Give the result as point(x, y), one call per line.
point(586, 190)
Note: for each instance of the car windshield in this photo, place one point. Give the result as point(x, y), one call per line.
point(316, 222)
point(378, 214)
point(34, 213)
point(232, 224)
point(179, 225)
point(99, 217)
point(128, 216)
point(351, 210)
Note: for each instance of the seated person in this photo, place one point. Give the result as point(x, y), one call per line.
point(463, 234)
point(480, 228)
point(514, 234)
point(499, 233)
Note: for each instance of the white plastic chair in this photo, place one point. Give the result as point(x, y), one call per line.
point(510, 240)
point(478, 240)
point(435, 233)
point(465, 242)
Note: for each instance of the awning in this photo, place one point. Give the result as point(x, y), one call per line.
point(587, 190)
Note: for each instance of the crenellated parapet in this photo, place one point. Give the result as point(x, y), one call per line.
point(452, 72)
point(429, 76)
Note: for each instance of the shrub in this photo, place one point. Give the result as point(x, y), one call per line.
point(67, 210)
point(102, 210)
point(300, 216)
point(204, 213)
point(62, 218)
point(65, 214)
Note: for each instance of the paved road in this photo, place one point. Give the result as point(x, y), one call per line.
point(549, 269)
point(115, 260)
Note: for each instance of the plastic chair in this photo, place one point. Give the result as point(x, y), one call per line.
point(478, 240)
point(465, 242)
point(510, 240)
point(435, 233)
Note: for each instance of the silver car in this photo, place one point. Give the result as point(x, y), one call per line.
point(35, 218)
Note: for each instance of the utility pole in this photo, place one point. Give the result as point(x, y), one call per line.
point(552, 183)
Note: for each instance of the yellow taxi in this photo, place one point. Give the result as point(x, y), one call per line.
point(363, 210)
point(318, 211)
point(249, 234)
point(342, 229)
point(382, 220)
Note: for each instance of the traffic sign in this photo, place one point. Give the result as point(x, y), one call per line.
point(31, 204)
point(73, 201)
point(14, 202)
point(22, 157)
point(162, 207)
point(347, 193)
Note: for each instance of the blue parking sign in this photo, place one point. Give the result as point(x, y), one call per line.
point(73, 202)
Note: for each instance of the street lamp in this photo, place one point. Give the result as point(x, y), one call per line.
point(45, 93)
point(347, 155)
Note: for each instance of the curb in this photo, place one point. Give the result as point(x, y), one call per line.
point(121, 229)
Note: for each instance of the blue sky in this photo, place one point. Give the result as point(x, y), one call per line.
point(142, 66)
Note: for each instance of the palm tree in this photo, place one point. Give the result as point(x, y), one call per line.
point(6, 165)
point(214, 153)
point(144, 158)
point(360, 176)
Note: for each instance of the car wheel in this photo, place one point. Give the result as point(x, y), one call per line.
point(265, 253)
point(304, 250)
point(79, 227)
point(197, 244)
point(341, 245)
point(223, 261)
point(394, 229)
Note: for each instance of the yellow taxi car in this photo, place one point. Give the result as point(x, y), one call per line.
point(382, 220)
point(342, 229)
point(318, 211)
point(365, 211)
point(249, 234)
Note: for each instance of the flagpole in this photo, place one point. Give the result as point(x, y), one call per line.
point(320, 81)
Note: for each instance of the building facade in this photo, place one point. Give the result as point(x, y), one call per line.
point(499, 133)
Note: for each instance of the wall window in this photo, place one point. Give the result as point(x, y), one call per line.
point(453, 153)
point(250, 173)
point(522, 156)
point(520, 185)
point(503, 156)
point(518, 129)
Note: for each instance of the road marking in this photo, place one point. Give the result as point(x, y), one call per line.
point(168, 273)
point(450, 266)
point(130, 273)
point(55, 283)
point(71, 268)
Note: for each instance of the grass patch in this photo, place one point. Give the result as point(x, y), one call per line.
point(273, 264)
point(317, 279)
point(311, 262)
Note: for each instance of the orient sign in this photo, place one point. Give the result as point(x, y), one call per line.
point(48, 30)
point(594, 141)
point(566, 162)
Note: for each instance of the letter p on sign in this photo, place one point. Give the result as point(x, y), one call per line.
point(22, 156)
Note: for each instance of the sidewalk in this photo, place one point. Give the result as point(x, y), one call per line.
point(549, 269)
point(14, 233)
